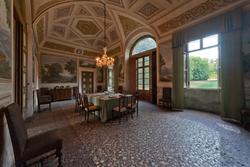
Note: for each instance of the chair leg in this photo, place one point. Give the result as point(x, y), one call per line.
point(59, 154)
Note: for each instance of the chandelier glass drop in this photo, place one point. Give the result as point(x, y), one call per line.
point(104, 60)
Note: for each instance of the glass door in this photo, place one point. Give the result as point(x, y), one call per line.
point(87, 82)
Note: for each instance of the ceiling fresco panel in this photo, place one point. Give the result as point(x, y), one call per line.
point(64, 11)
point(148, 10)
point(82, 11)
point(59, 30)
point(118, 3)
point(87, 27)
point(128, 24)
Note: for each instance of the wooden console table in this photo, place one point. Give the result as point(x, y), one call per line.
point(62, 94)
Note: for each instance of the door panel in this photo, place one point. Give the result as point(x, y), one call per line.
point(87, 82)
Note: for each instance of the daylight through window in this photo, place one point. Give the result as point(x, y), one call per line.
point(201, 62)
point(143, 45)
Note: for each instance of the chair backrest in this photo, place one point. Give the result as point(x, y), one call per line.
point(122, 101)
point(18, 132)
point(120, 89)
point(99, 88)
point(167, 93)
point(45, 91)
point(85, 102)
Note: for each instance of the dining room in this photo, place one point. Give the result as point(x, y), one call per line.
point(124, 83)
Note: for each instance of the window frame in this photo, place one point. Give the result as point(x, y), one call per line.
point(187, 62)
point(143, 67)
point(138, 40)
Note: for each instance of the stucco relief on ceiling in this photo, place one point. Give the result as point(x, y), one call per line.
point(148, 10)
point(128, 25)
point(87, 27)
point(193, 14)
point(81, 22)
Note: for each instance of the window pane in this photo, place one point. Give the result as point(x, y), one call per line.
point(140, 64)
point(203, 68)
point(146, 58)
point(144, 45)
point(146, 63)
point(146, 81)
point(210, 41)
point(146, 75)
point(140, 81)
point(140, 70)
point(146, 87)
point(194, 45)
point(140, 87)
point(140, 76)
point(140, 60)
point(146, 70)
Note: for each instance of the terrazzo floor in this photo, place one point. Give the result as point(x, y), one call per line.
point(155, 138)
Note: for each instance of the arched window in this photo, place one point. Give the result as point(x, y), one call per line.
point(143, 45)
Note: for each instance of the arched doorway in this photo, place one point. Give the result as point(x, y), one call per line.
point(142, 65)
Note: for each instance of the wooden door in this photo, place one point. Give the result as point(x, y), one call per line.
point(87, 82)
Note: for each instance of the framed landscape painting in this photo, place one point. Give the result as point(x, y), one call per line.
point(57, 69)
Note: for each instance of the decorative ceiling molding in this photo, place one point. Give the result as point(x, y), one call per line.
point(193, 14)
point(113, 35)
point(82, 11)
point(40, 30)
point(59, 30)
point(71, 35)
point(128, 24)
point(131, 3)
point(79, 23)
point(114, 51)
point(90, 53)
point(148, 10)
point(64, 11)
point(57, 46)
point(64, 22)
point(90, 41)
point(87, 27)
point(99, 12)
point(118, 3)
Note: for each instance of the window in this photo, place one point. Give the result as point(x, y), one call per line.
point(142, 73)
point(110, 79)
point(201, 63)
point(143, 45)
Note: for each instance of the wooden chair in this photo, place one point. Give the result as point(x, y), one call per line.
point(121, 108)
point(78, 104)
point(120, 89)
point(75, 91)
point(44, 97)
point(133, 104)
point(89, 108)
point(99, 88)
point(245, 115)
point(29, 151)
point(166, 100)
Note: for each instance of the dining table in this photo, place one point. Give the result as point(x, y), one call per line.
point(106, 102)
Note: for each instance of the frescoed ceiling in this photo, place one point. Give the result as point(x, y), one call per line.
point(76, 26)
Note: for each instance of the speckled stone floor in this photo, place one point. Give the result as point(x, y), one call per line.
point(155, 138)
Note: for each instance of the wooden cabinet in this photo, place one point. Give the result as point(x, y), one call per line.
point(62, 94)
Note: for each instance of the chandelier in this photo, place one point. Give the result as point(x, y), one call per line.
point(104, 60)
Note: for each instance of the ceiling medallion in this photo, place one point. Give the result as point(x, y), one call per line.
point(104, 60)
